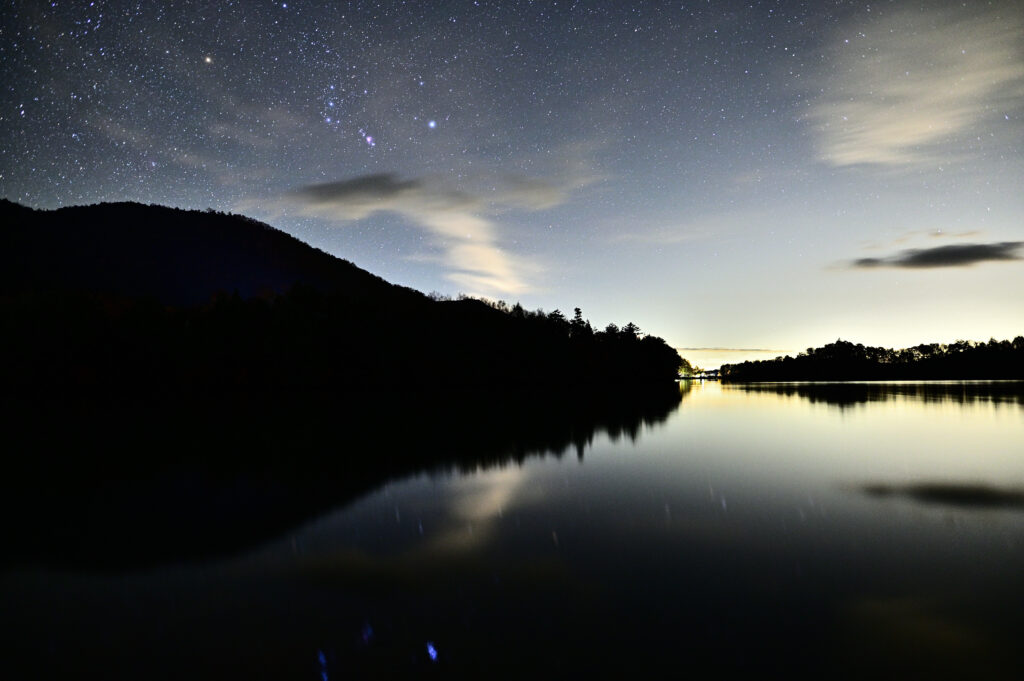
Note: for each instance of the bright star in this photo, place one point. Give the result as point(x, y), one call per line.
point(432, 124)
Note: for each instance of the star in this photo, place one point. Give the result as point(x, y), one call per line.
point(701, 97)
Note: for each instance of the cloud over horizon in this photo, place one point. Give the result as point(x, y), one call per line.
point(952, 255)
point(460, 222)
point(916, 86)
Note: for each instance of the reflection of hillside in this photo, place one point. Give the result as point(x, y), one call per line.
point(176, 481)
point(851, 394)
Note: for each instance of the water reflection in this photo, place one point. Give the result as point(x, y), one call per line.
point(920, 638)
point(850, 394)
point(197, 480)
point(964, 495)
point(849, 547)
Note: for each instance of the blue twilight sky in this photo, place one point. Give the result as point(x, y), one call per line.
point(733, 177)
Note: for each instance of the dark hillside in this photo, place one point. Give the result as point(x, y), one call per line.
point(126, 298)
point(177, 257)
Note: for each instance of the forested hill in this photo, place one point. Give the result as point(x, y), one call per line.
point(126, 297)
point(844, 361)
point(175, 256)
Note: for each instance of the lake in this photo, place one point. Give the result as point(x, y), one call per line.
point(840, 530)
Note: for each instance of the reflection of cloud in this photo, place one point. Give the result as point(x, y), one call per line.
point(911, 82)
point(458, 220)
point(490, 499)
point(953, 255)
point(475, 510)
point(968, 495)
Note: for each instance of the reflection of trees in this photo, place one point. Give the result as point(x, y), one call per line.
point(172, 479)
point(851, 394)
point(311, 382)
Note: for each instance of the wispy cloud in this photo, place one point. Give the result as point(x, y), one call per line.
point(939, 234)
point(953, 255)
point(914, 234)
point(461, 222)
point(904, 89)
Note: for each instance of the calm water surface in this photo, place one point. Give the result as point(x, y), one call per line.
point(845, 530)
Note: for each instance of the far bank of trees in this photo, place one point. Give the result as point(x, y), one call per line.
point(845, 361)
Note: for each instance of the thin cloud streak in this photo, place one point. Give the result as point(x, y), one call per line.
point(908, 90)
point(914, 234)
point(953, 255)
point(939, 234)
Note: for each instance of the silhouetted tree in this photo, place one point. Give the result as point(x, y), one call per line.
point(630, 330)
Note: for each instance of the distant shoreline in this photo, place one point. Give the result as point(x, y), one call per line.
point(844, 361)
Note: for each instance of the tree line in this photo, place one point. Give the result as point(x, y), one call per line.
point(843, 361)
point(308, 339)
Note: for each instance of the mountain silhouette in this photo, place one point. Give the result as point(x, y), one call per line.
point(175, 256)
point(125, 298)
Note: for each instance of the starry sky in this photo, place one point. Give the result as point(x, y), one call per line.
point(743, 179)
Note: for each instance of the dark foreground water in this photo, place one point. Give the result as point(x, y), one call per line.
point(852, 530)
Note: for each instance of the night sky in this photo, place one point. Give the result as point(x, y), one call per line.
point(755, 177)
